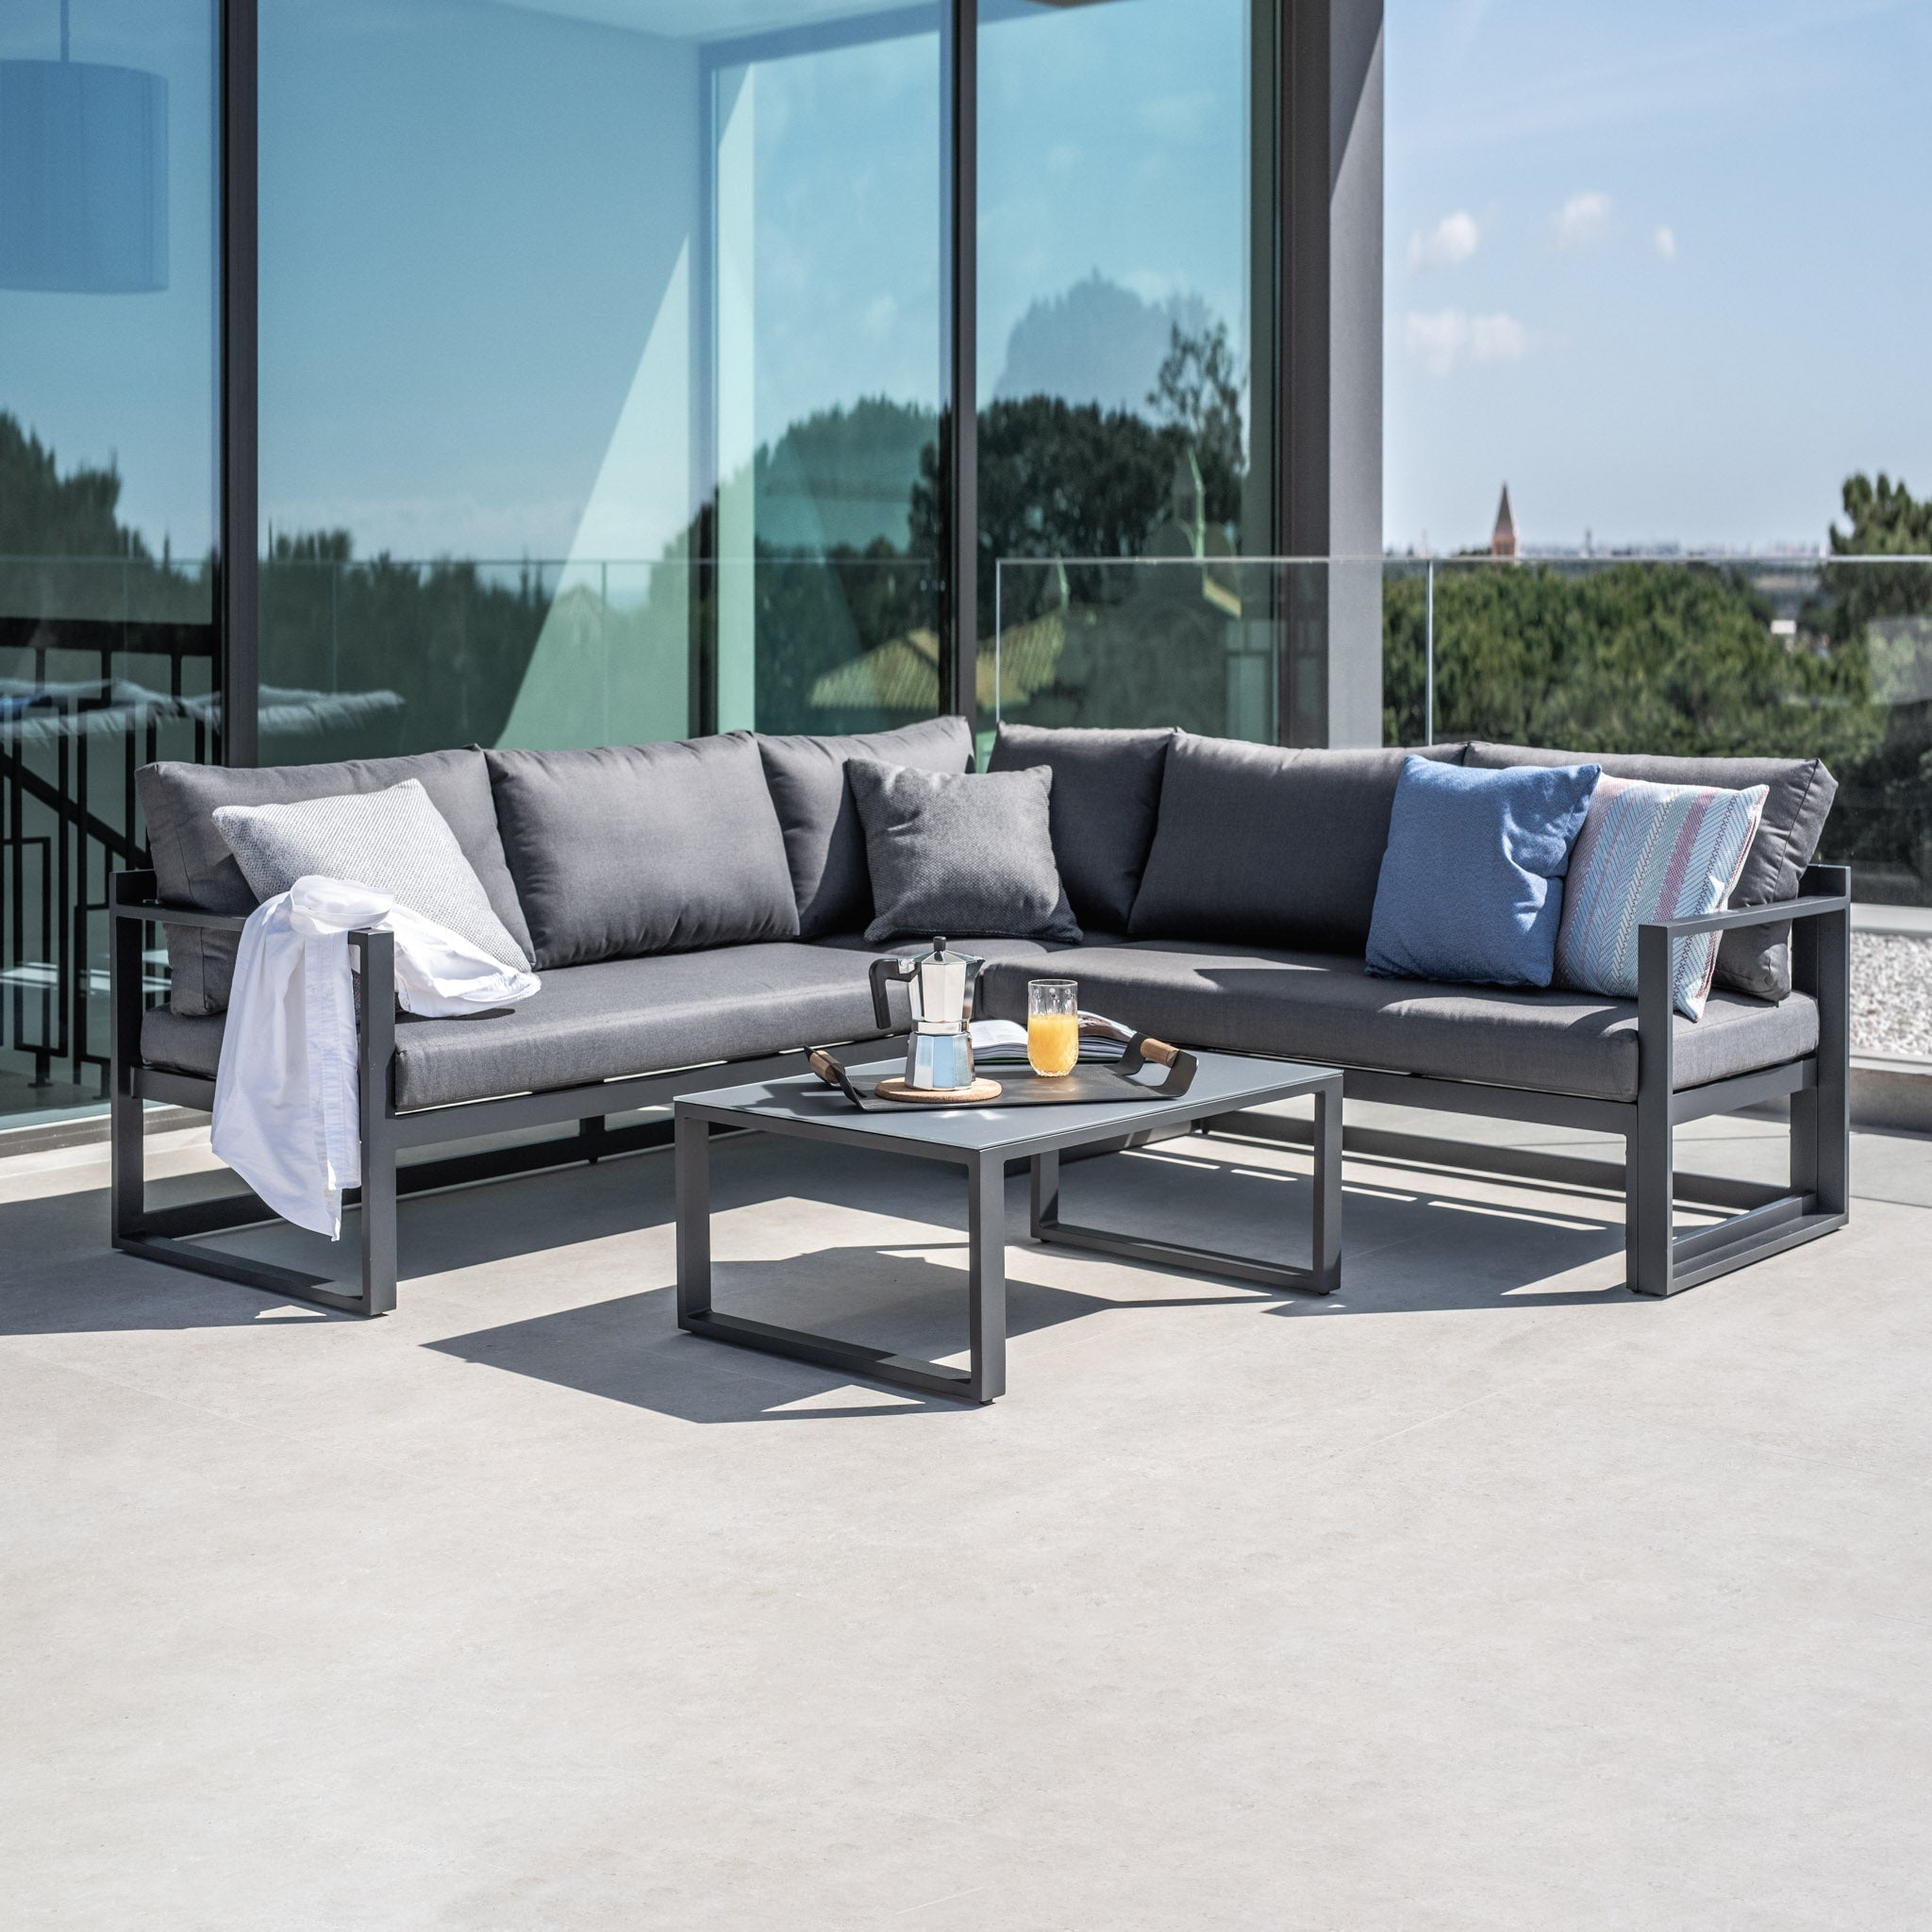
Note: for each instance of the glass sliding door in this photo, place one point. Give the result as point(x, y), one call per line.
point(826, 336)
point(108, 491)
point(1125, 330)
point(599, 361)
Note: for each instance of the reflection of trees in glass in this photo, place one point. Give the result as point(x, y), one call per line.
point(64, 551)
point(449, 640)
point(1077, 480)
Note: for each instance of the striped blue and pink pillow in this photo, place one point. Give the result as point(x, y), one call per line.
point(1650, 851)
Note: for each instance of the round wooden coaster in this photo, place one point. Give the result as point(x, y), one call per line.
point(981, 1091)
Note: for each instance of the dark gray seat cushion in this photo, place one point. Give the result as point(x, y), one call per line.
point(628, 850)
point(640, 1016)
point(1318, 1007)
point(1105, 795)
point(601, 1021)
point(825, 842)
point(1753, 959)
point(960, 853)
point(1269, 846)
point(194, 867)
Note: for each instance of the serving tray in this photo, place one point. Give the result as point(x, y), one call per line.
point(1021, 1087)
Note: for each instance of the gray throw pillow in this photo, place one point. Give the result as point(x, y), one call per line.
point(969, 857)
point(627, 850)
point(194, 866)
point(824, 843)
point(394, 841)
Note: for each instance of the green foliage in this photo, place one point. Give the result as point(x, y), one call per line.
point(1884, 611)
point(1637, 656)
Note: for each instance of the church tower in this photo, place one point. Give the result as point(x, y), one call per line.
point(1503, 538)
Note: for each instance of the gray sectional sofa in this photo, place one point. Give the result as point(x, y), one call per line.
point(699, 903)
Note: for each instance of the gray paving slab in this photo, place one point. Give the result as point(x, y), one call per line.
point(1481, 1595)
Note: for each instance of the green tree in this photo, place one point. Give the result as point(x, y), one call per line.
point(1629, 657)
point(1882, 612)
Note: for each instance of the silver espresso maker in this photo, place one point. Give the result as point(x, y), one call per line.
point(939, 1055)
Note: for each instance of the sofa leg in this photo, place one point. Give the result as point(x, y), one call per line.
point(377, 1053)
point(1649, 1232)
point(126, 1151)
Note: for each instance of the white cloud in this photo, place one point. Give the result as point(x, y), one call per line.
point(1582, 217)
point(1448, 337)
point(1451, 240)
point(1182, 117)
point(1666, 244)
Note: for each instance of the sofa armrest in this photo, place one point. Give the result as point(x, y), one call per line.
point(1829, 893)
point(132, 898)
point(1821, 967)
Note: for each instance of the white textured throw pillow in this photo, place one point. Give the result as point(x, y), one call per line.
point(394, 840)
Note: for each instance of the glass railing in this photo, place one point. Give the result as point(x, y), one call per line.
point(378, 656)
point(1724, 656)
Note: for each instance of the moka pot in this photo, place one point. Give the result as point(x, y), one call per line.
point(941, 986)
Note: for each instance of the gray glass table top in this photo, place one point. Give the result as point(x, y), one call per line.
point(803, 1104)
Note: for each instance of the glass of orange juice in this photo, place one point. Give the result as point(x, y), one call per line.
point(1053, 1025)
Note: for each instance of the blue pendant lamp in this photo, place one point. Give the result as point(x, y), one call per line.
point(83, 176)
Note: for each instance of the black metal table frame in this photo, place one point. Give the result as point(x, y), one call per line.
point(985, 1379)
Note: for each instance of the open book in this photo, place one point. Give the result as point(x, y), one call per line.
point(1003, 1042)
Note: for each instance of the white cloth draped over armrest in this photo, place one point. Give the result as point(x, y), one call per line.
point(286, 1094)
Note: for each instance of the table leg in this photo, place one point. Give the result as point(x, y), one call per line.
point(1322, 1278)
point(985, 1379)
point(1046, 1192)
point(1327, 1243)
point(694, 1191)
point(985, 1229)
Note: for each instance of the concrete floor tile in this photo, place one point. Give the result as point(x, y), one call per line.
point(1482, 1595)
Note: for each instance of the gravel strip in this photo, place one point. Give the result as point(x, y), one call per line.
point(1891, 994)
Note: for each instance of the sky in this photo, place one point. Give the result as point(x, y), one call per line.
point(1665, 269)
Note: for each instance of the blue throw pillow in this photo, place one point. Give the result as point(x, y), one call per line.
point(1472, 885)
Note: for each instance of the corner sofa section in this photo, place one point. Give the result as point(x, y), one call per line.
point(694, 911)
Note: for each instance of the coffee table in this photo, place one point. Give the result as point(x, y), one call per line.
point(982, 1139)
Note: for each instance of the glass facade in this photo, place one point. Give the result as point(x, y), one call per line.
point(108, 490)
point(611, 383)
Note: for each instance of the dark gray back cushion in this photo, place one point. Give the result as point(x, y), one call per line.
point(825, 842)
point(1754, 959)
point(961, 854)
point(1278, 847)
point(194, 867)
point(644, 848)
point(1105, 794)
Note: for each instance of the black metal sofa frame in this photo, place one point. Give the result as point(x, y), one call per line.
point(1766, 1217)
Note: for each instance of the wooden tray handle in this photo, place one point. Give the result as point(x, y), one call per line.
point(1159, 1053)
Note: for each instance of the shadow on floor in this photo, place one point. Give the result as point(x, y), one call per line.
point(1414, 1242)
point(630, 1349)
